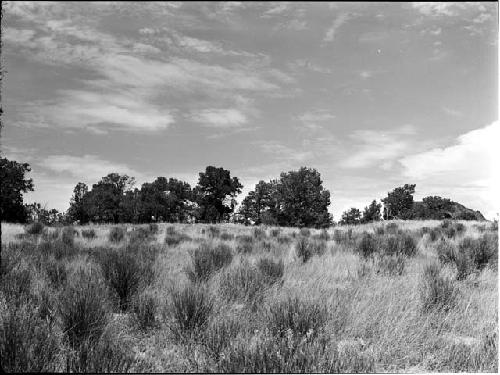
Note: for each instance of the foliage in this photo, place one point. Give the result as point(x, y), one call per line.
point(399, 203)
point(14, 184)
point(207, 259)
point(34, 229)
point(351, 217)
point(372, 212)
point(436, 291)
point(88, 234)
point(144, 308)
point(243, 282)
point(303, 248)
point(367, 245)
point(116, 234)
point(271, 269)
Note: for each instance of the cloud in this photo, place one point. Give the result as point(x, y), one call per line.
point(468, 170)
point(220, 118)
point(378, 148)
point(452, 112)
point(337, 23)
point(438, 9)
point(90, 166)
point(282, 152)
point(16, 36)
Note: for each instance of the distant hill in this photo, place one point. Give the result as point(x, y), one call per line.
point(450, 210)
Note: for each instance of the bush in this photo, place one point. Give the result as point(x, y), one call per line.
point(34, 229)
point(208, 259)
point(303, 249)
point(275, 232)
point(437, 291)
point(300, 317)
point(56, 272)
point(28, 342)
point(153, 228)
point(446, 251)
point(391, 265)
point(367, 246)
point(272, 270)
point(459, 228)
point(16, 284)
point(243, 283)
point(140, 234)
point(342, 237)
point(88, 234)
point(259, 233)
point(174, 239)
point(116, 234)
point(68, 235)
point(58, 249)
point(50, 235)
point(480, 250)
point(122, 272)
point(391, 228)
point(170, 230)
point(318, 246)
point(305, 232)
point(244, 244)
point(434, 234)
point(408, 246)
point(450, 232)
point(218, 336)
point(380, 230)
point(224, 236)
point(213, 231)
point(284, 239)
point(446, 224)
point(191, 309)
point(83, 307)
point(144, 309)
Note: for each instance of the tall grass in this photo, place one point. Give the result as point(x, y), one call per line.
point(208, 259)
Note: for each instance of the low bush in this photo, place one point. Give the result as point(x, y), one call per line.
point(434, 234)
point(170, 230)
point(68, 236)
point(50, 235)
point(446, 251)
point(88, 234)
point(275, 232)
point(34, 229)
point(342, 236)
point(449, 231)
point(391, 265)
point(301, 318)
point(58, 249)
point(446, 224)
point(218, 336)
point(259, 233)
point(303, 249)
point(367, 245)
point(243, 283)
point(207, 259)
point(116, 234)
point(28, 342)
point(244, 244)
point(144, 308)
point(284, 239)
point(140, 234)
point(305, 232)
point(153, 228)
point(391, 228)
point(83, 307)
point(436, 290)
point(318, 246)
point(191, 307)
point(56, 272)
point(459, 228)
point(176, 238)
point(122, 271)
point(213, 231)
point(224, 236)
point(271, 269)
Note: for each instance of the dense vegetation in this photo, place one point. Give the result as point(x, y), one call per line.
point(387, 297)
point(297, 199)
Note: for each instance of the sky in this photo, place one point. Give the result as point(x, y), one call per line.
point(372, 95)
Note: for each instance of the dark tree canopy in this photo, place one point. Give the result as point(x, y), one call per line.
point(77, 211)
point(351, 216)
point(399, 203)
point(296, 199)
point(13, 184)
point(215, 194)
point(372, 212)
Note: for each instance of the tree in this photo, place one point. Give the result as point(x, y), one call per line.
point(351, 216)
point(215, 194)
point(302, 199)
point(372, 212)
point(258, 203)
point(76, 211)
point(13, 185)
point(399, 203)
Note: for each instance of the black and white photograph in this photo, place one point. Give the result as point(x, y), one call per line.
point(249, 187)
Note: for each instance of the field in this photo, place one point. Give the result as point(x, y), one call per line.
point(384, 297)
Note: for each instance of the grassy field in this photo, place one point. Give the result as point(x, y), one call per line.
point(385, 297)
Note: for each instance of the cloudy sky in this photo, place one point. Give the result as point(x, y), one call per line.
point(373, 95)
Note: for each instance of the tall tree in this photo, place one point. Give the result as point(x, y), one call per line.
point(302, 199)
point(13, 184)
point(372, 212)
point(215, 194)
point(399, 203)
point(351, 216)
point(76, 211)
point(258, 203)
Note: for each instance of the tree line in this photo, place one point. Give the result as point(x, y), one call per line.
point(296, 198)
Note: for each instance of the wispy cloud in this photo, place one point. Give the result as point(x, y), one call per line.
point(337, 23)
point(220, 118)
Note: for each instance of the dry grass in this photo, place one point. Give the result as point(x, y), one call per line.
point(375, 319)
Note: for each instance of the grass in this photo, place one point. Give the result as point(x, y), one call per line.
point(413, 304)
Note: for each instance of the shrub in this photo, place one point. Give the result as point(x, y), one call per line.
point(56, 272)
point(153, 228)
point(16, 284)
point(284, 239)
point(175, 238)
point(425, 230)
point(323, 235)
point(50, 235)
point(446, 251)
point(68, 234)
point(144, 308)
point(367, 246)
point(140, 234)
point(208, 259)
point(434, 234)
point(218, 336)
point(224, 236)
point(265, 246)
point(391, 265)
point(464, 265)
point(318, 246)
point(88, 234)
point(450, 232)
point(391, 228)
point(305, 232)
point(170, 230)
point(446, 223)
point(58, 249)
point(408, 246)
point(83, 307)
point(275, 232)
point(271, 269)
point(259, 233)
point(437, 291)
point(303, 249)
point(459, 228)
point(34, 229)
point(380, 230)
point(122, 271)
point(342, 237)
point(244, 244)
point(191, 309)
point(213, 231)
point(243, 283)
point(28, 343)
point(116, 234)
point(300, 317)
